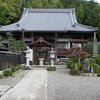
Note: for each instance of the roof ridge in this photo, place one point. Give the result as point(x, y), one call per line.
point(46, 10)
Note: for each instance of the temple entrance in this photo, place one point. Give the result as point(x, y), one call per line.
point(40, 50)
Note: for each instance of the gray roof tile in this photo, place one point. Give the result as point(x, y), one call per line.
point(48, 20)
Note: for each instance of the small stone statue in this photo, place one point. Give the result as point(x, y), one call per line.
point(86, 65)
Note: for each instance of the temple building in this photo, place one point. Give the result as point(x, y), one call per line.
point(42, 29)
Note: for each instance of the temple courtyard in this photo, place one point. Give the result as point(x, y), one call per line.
point(40, 84)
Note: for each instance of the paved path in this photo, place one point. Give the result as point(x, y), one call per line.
point(58, 85)
point(32, 87)
point(62, 86)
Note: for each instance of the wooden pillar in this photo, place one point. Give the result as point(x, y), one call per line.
point(56, 46)
point(23, 35)
point(32, 37)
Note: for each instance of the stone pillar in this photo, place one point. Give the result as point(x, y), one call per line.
point(95, 45)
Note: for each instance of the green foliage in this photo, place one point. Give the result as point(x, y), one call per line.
point(69, 62)
point(78, 65)
point(51, 68)
point(13, 69)
point(96, 68)
point(15, 45)
point(92, 60)
point(16, 68)
point(27, 68)
point(97, 58)
point(98, 74)
point(88, 47)
point(7, 72)
point(75, 59)
point(74, 72)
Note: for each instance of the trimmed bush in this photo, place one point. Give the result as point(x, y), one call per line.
point(51, 68)
point(7, 72)
point(96, 68)
point(75, 59)
point(79, 66)
point(98, 74)
point(69, 62)
point(92, 60)
point(27, 68)
point(97, 58)
point(19, 67)
point(72, 66)
point(13, 69)
point(74, 72)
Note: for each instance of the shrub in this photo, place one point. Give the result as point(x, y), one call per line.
point(72, 66)
point(69, 62)
point(74, 72)
point(51, 68)
point(98, 74)
point(13, 69)
point(96, 68)
point(19, 67)
point(79, 66)
point(7, 72)
point(97, 58)
point(27, 68)
point(92, 60)
point(75, 59)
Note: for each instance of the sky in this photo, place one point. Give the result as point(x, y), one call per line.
point(95, 0)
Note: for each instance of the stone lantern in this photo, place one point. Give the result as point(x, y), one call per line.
point(52, 56)
point(29, 56)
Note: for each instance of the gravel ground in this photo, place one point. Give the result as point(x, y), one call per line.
point(12, 81)
point(62, 86)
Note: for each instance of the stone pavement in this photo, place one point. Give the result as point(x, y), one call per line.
point(32, 87)
point(4, 89)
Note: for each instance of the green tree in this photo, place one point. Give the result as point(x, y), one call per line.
point(3, 10)
point(80, 13)
point(55, 4)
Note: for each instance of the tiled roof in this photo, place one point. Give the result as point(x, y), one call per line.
point(48, 20)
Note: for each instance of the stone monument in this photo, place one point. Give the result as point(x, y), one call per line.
point(86, 65)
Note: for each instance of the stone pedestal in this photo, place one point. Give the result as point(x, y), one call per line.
point(41, 61)
point(52, 62)
point(27, 62)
